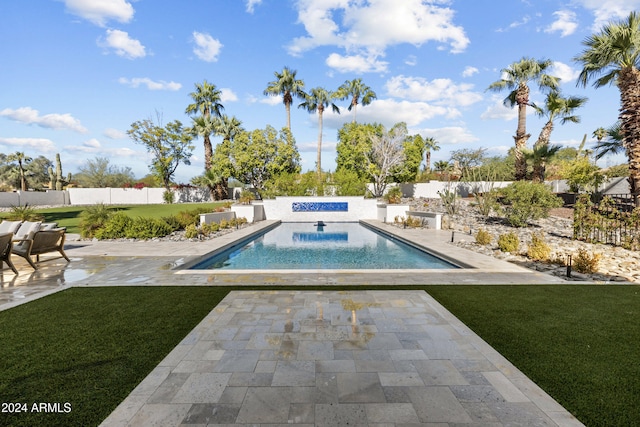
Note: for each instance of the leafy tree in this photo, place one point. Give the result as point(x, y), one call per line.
point(226, 127)
point(467, 159)
point(317, 100)
point(582, 175)
point(442, 165)
point(358, 92)
point(169, 145)
point(20, 161)
point(354, 144)
point(413, 147)
point(612, 56)
point(289, 87)
point(516, 79)
point(262, 154)
point(497, 168)
point(387, 153)
point(348, 183)
point(206, 101)
point(98, 173)
point(556, 107)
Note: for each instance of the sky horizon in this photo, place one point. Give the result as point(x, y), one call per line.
point(77, 73)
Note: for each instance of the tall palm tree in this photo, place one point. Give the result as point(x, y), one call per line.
point(358, 92)
point(206, 101)
point(317, 100)
point(22, 160)
point(226, 127)
point(612, 144)
point(600, 134)
point(612, 56)
point(516, 78)
point(289, 87)
point(429, 145)
point(556, 107)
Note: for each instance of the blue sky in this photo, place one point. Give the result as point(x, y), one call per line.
point(75, 74)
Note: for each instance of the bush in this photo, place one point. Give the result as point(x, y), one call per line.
point(23, 213)
point(191, 231)
point(538, 249)
point(527, 201)
point(93, 218)
point(348, 183)
point(246, 197)
point(509, 242)
point(186, 218)
point(115, 227)
point(213, 227)
point(173, 222)
point(393, 196)
point(483, 237)
point(584, 262)
point(224, 223)
point(168, 196)
point(147, 228)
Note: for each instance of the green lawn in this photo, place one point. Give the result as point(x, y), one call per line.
point(91, 346)
point(69, 216)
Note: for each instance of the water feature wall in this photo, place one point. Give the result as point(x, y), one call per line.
point(313, 209)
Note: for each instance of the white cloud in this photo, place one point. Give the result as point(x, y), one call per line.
point(565, 23)
point(411, 60)
point(470, 71)
point(440, 91)
point(114, 134)
point(227, 95)
point(373, 26)
point(251, 4)
point(564, 72)
point(390, 112)
point(515, 24)
point(123, 45)
point(150, 84)
point(101, 11)
point(93, 146)
point(607, 10)
point(207, 48)
point(499, 111)
point(271, 100)
point(92, 143)
point(51, 121)
point(41, 144)
point(355, 63)
point(448, 135)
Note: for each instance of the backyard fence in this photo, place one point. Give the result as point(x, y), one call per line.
point(613, 219)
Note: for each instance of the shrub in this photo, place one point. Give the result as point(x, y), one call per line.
point(205, 229)
point(191, 231)
point(147, 228)
point(186, 218)
point(93, 218)
point(527, 201)
point(115, 227)
point(483, 237)
point(246, 197)
point(538, 249)
point(242, 220)
point(393, 196)
point(24, 213)
point(213, 227)
point(584, 262)
point(509, 242)
point(173, 222)
point(168, 196)
point(224, 223)
point(449, 200)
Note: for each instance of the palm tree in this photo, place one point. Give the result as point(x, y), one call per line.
point(317, 100)
point(206, 101)
point(289, 87)
point(516, 79)
point(22, 160)
point(612, 56)
point(600, 134)
point(226, 127)
point(612, 144)
point(556, 107)
point(429, 144)
point(358, 92)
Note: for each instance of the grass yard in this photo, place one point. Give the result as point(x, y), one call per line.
point(69, 216)
point(91, 346)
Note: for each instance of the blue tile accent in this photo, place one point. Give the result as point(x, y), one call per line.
point(320, 237)
point(320, 206)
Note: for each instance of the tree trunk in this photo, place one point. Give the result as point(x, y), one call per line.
point(354, 105)
point(221, 190)
point(522, 100)
point(629, 85)
point(539, 162)
point(427, 159)
point(287, 106)
point(319, 160)
point(208, 153)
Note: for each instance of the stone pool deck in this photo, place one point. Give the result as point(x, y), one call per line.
point(302, 358)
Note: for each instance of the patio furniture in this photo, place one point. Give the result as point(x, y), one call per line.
point(9, 226)
point(41, 242)
point(6, 245)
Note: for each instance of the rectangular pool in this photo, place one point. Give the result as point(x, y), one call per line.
point(334, 246)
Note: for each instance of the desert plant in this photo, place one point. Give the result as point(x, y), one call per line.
point(93, 218)
point(246, 197)
point(585, 262)
point(23, 213)
point(449, 200)
point(509, 242)
point(526, 201)
point(191, 231)
point(115, 227)
point(538, 249)
point(393, 196)
point(483, 237)
point(205, 229)
point(224, 223)
point(213, 227)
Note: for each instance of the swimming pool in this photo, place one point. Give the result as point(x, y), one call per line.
point(334, 246)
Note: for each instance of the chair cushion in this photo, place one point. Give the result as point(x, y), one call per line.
point(48, 226)
point(26, 231)
point(9, 226)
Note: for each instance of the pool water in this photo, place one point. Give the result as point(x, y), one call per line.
point(334, 246)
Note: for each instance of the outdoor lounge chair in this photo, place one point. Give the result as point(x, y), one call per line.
point(39, 243)
point(6, 246)
point(9, 226)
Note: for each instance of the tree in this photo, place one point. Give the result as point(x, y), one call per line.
point(317, 100)
point(206, 101)
point(98, 173)
point(354, 144)
point(516, 78)
point(612, 56)
point(413, 147)
point(226, 127)
point(556, 107)
point(429, 145)
point(260, 155)
point(387, 152)
point(358, 92)
point(22, 161)
point(612, 144)
point(169, 145)
point(289, 87)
